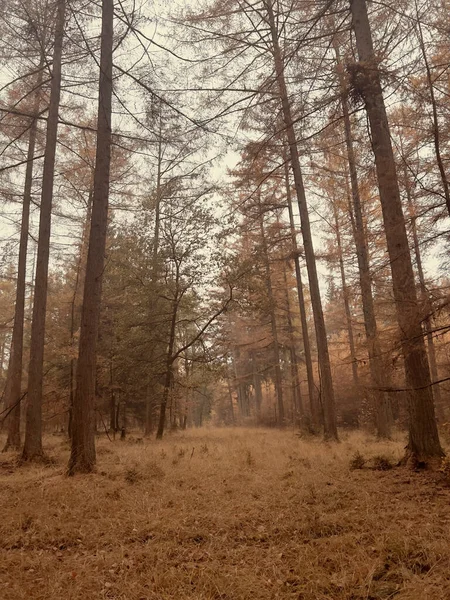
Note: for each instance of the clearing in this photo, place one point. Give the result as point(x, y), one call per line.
point(224, 514)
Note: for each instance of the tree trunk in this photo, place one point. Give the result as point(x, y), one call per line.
point(14, 377)
point(82, 457)
point(257, 387)
point(295, 380)
point(273, 322)
point(33, 430)
point(148, 427)
point(427, 323)
point(230, 395)
point(316, 416)
point(348, 314)
point(424, 441)
point(327, 392)
point(379, 381)
point(169, 363)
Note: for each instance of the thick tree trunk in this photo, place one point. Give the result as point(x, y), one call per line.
point(14, 377)
point(82, 457)
point(327, 392)
point(424, 441)
point(33, 430)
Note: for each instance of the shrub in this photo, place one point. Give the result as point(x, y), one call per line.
point(382, 463)
point(357, 461)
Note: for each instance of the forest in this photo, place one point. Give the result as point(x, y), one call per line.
point(224, 299)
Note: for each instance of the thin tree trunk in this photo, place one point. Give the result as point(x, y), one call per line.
point(424, 441)
point(314, 406)
point(167, 382)
point(112, 397)
point(327, 392)
point(33, 430)
point(82, 457)
point(148, 428)
point(379, 381)
point(427, 324)
point(14, 377)
point(230, 395)
point(296, 389)
point(169, 361)
point(257, 387)
point(348, 314)
point(273, 322)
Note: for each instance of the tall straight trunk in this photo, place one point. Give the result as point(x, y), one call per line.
point(348, 314)
point(314, 407)
point(256, 377)
point(33, 429)
point(157, 208)
point(230, 396)
point(112, 397)
point(82, 457)
point(327, 392)
point(295, 380)
point(169, 371)
point(424, 441)
point(378, 379)
point(427, 323)
point(14, 377)
point(273, 322)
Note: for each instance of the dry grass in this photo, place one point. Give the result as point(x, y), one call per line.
point(224, 514)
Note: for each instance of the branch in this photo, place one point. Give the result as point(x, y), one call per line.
point(203, 329)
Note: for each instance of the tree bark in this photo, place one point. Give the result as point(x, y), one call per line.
point(14, 376)
point(297, 401)
point(82, 457)
point(33, 429)
point(327, 392)
point(383, 417)
point(427, 323)
point(348, 314)
point(316, 416)
point(273, 322)
point(170, 357)
point(424, 444)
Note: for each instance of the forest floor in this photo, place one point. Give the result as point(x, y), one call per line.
point(224, 514)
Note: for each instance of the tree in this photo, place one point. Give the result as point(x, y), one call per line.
point(14, 378)
point(424, 444)
point(32, 449)
point(327, 392)
point(82, 457)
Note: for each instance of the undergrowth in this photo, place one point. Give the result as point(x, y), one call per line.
point(225, 514)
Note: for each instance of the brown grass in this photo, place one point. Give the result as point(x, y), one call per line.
point(224, 514)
